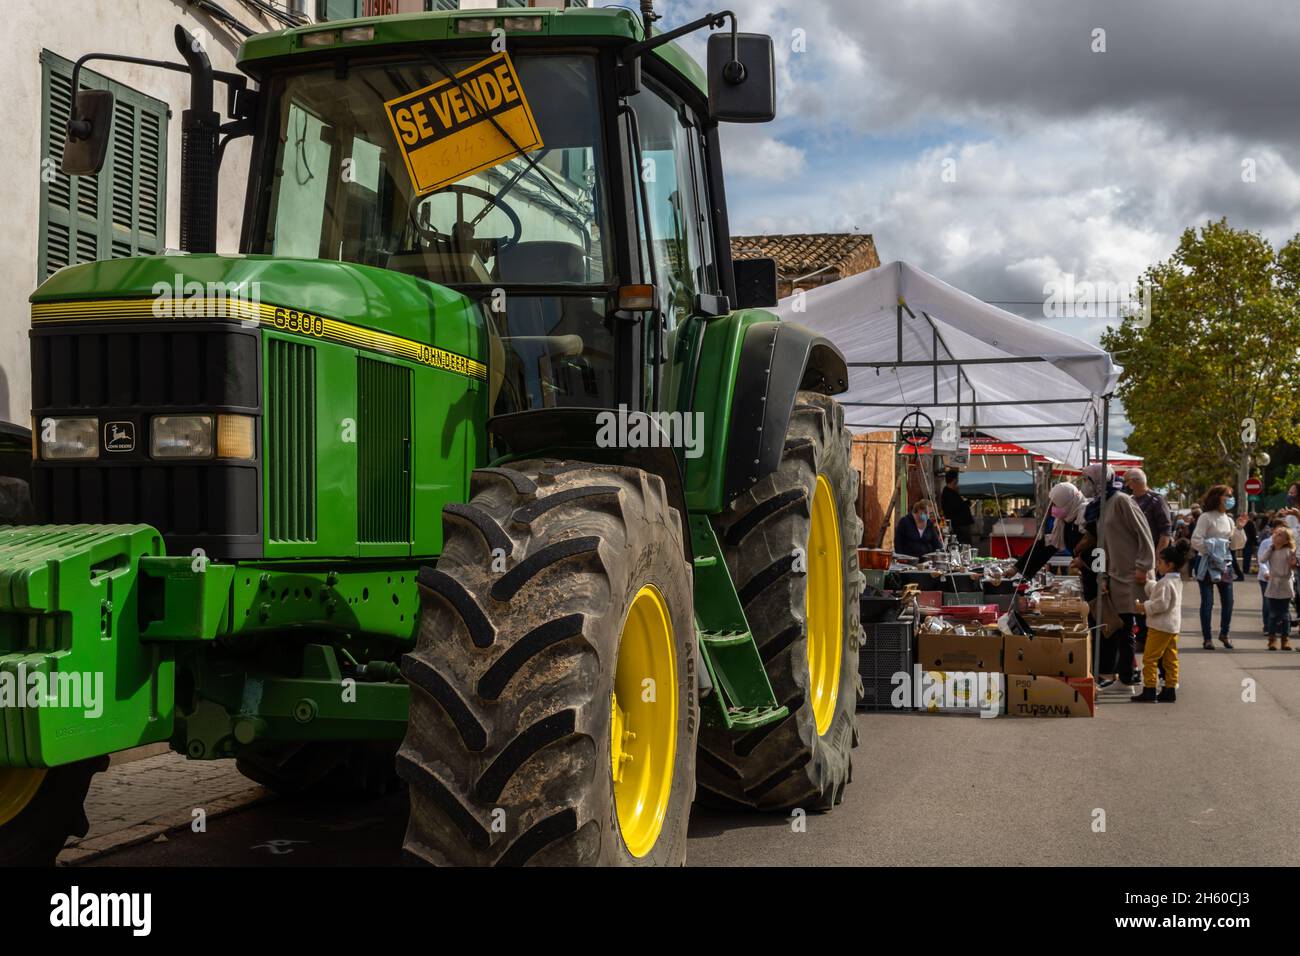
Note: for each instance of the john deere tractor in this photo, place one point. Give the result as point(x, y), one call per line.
point(479, 469)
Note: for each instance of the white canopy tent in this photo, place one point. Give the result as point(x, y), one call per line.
point(913, 341)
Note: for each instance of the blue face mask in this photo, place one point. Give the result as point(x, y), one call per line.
point(922, 518)
point(1229, 504)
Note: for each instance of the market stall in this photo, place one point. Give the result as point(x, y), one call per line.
point(915, 343)
point(938, 369)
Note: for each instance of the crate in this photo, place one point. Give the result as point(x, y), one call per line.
point(964, 597)
point(877, 607)
point(875, 579)
point(888, 648)
point(929, 598)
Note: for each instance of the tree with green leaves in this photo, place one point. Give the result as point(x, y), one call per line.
point(1212, 367)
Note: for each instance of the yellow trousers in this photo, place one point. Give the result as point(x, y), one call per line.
point(1162, 647)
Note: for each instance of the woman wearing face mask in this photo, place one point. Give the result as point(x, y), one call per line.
point(1130, 554)
point(1216, 536)
point(915, 534)
point(1066, 508)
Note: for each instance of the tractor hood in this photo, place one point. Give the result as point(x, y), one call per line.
point(375, 299)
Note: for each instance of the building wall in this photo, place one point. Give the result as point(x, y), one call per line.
point(71, 28)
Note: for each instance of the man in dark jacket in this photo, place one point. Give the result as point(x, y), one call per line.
point(956, 510)
point(915, 534)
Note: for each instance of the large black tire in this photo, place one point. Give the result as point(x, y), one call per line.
point(361, 770)
point(789, 764)
point(508, 751)
point(56, 812)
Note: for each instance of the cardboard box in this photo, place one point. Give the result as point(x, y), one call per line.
point(969, 693)
point(959, 652)
point(1061, 610)
point(1030, 696)
point(1047, 656)
point(1058, 628)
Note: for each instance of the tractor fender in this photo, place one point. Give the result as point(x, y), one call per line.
point(777, 360)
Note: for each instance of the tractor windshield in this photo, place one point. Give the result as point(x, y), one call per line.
point(396, 165)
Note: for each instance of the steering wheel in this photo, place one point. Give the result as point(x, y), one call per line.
point(916, 429)
point(461, 237)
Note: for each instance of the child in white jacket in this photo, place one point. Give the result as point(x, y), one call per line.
point(1164, 610)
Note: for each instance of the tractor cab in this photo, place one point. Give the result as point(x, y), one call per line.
point(554, 167)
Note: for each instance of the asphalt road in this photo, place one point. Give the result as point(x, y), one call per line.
point(1210, 780)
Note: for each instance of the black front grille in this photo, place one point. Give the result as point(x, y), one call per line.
point(93, 368)
point(180, 500)
point(128, 373)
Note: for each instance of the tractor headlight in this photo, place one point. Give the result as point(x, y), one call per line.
point(62, 439)
point(181, 436)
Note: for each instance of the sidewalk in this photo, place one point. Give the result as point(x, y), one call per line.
point(135, 801)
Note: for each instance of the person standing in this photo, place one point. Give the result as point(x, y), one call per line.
point(956, 510)
point(1264, 545)
point(1251, 546)
point(1156, 512)
point(1214, 539)
point(915, 534)
point(1066, 503)
point(1164, 606)
point(1153, 507)
point(1130, 556)
point(1281, 560)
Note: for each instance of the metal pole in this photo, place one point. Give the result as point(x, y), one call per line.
point(899, 332)
point(1103, 577)
point(934, 351)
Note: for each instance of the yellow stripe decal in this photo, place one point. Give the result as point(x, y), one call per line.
point(275, 317)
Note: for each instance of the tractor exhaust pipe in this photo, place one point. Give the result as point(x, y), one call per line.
point(648, 16)
point(200, 126)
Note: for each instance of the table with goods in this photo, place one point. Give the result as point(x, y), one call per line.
point(954, 633)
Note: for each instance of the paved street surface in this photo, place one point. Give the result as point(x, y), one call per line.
point(145, 798)
point(1211, 780)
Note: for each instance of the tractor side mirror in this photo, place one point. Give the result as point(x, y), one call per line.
point(742, 78)
point(755, 283)
point(86, 143)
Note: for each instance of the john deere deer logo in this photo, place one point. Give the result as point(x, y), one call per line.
point(119, 436)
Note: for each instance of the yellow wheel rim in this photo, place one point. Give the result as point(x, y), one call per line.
point(825, 606)
point(643, 724)
point(17, 788)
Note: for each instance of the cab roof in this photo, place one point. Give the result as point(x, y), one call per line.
point(576, 23)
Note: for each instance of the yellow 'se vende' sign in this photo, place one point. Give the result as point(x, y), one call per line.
point(445, 130)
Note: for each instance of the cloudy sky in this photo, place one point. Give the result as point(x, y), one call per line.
point(1060, 159)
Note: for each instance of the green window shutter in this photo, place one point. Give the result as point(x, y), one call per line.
point(122, 211)
point(337, 9)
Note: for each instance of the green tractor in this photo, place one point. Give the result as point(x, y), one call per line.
point(479, 469)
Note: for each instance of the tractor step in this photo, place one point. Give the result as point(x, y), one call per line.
point(757, 717)
point(742, 697)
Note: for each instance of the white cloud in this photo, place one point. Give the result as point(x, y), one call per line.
point(752, 153)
